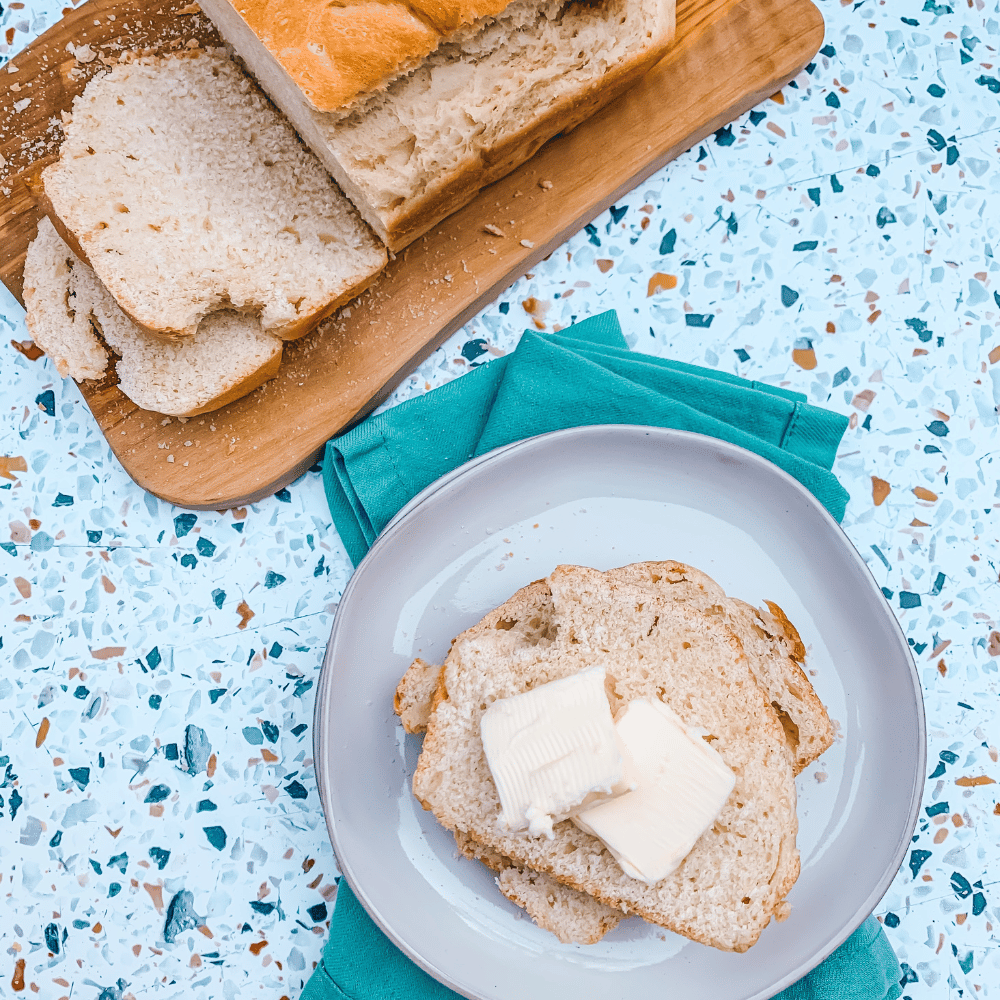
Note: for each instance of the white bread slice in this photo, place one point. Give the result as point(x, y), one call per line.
point(479, 105)
point(573, 916)
point(64, 333)
point(415, 693)
point(735, 878)
point(188, 193)
point(67, 307)
point(772, 644)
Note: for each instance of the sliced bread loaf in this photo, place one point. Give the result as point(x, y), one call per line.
point(71, 317)
point(735, 879)
point(479, 105)
point(188, 193)
point(335, 52)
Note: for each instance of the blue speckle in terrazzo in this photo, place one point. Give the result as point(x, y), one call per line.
point(839, 239)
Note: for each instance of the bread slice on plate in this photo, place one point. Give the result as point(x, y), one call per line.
point(74, 319)
point(469, 111)
point(188, 193)
point(736, 877)
point(772, 645)
point(573, 916)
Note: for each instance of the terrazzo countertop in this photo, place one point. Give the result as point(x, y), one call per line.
point(160, 829)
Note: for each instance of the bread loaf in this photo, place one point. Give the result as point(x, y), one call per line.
point(188, 193)
point(74, 319)
point(482, 102)
point(736, 877)
point(335, 52)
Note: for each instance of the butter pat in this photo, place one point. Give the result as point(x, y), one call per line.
point(551, 750)
point(682, 786)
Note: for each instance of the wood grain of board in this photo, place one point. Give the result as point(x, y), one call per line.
point(727, 57)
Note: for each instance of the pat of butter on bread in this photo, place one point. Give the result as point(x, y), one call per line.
point(551, 750)
point(681, 786)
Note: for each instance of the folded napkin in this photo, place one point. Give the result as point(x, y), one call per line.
point(582, 375)
point(360, 963)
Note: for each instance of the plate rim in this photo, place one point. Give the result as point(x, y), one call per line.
point(397, 523)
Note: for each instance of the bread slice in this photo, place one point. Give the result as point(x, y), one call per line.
point(71, 317)
point(188, 194)
point(773, 647)
point(573, 916)
point(335, 52)
point(414, 695)
point(64, 333)
point(479, 105)
point(735, 878)
point(772, 644)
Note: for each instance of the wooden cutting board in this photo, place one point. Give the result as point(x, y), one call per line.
point(728, 56)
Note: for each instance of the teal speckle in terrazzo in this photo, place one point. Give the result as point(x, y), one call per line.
point(853, 220)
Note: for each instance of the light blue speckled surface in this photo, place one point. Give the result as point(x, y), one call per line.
point(154, 738)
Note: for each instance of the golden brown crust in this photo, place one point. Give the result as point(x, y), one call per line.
point(798, 649)
point(335, 52)
point(452, 191)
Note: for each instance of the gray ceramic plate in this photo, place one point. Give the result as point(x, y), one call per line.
point(603, 497)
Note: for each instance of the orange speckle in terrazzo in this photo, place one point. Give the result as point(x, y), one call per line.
point(17, 980)
point(880, 490)
point(257, 947)
point(805, 358)
point(604, 265)
point(155, 894)
point(43, 731)
point(107, 652)
point(981, 779)
point(863, 400)
point(924, 494)
point(243, 610)
point(661, 282)
point(9, 464)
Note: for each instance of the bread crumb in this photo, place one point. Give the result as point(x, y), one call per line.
point(170, 458)
point(527, 243)
point(84, 54)
point(493, 230)
point(545, 185)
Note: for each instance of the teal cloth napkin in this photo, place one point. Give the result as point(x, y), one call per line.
point(582, 375)
point(360, 963)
